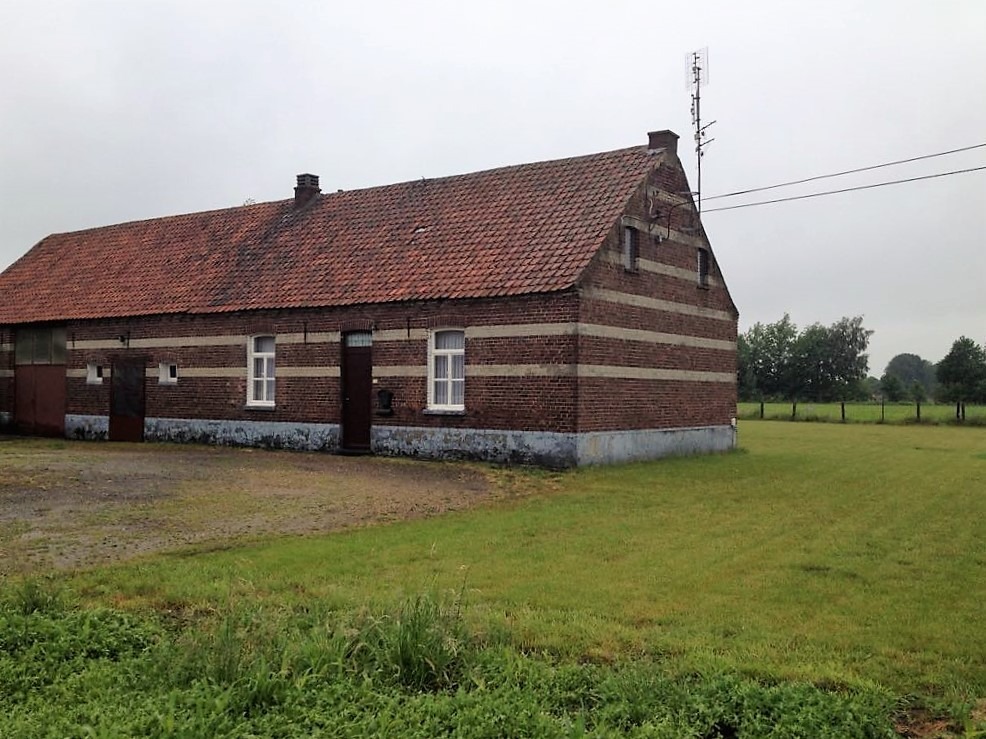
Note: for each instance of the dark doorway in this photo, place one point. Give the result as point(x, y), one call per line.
point(127, 400)
point(39, 399)
point(357, 387)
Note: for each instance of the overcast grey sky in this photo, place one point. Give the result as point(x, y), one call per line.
point(115, 110)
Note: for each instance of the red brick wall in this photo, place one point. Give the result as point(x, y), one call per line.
point(613, 403)
point(529, 403)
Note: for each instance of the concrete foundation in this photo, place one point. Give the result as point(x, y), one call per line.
point(541, 448)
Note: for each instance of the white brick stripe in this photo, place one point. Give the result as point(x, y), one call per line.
point(520, 370)
point(596, 370)
point(307, 372)
point(6, 373)
point(659, 268)
point(177, 342)
point(654, 337)
point(653, 373)
point(642, 301)
point(82, 374)
point(501, 331)
point(398, 370)
point(520, 330)
point(472, 370)
point(6, 348)
point(400, 334)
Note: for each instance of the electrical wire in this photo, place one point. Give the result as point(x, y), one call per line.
point(845, 189)
point(840, 174)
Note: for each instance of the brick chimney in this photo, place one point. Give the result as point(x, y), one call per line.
point(306, 189)
point(667, 140)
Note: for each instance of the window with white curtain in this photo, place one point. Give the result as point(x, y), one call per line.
point(260, 363)
point(447, 370)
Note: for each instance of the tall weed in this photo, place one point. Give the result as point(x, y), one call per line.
point(424, 646)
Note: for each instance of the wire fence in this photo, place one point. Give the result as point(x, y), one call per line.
point(864, 412)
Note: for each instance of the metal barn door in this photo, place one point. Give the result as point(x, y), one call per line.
point(39, 399)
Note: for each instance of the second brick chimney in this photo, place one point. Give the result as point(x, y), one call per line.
point(306, 189)
point(667, 140)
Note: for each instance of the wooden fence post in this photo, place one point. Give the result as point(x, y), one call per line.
point(761, 409)
point(843, 408)
point(883, 410)
point(794, 409)
point(918, 401)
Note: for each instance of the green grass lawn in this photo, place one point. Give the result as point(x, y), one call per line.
point(840, 555)
point(932, 413)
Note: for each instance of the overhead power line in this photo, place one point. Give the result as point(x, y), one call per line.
point(840, 174)
point(845, 189)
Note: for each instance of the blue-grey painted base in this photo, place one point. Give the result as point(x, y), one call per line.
point(87, 427)
point(550, 449)
point(267, 434)
point(608, 447)
point(543, 448)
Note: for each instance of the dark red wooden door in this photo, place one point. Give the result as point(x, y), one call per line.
point(357, 387)
point(39, 399)
point(127, 401)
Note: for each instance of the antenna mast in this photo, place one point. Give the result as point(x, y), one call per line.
point(698, 75)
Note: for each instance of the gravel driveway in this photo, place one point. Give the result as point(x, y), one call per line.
point(67, 504)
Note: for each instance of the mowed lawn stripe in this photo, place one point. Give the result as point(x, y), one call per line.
point(835, 553)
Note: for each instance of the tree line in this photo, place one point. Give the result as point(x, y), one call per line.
point(779, 361)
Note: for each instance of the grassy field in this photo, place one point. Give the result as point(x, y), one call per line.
point(931, 413)
point(847, 558)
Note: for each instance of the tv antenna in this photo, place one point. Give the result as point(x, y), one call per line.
point(698, 77)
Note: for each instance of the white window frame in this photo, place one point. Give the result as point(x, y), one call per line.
point(94, 374)
point(447, 354)
point(165, 376)
point(270, 372)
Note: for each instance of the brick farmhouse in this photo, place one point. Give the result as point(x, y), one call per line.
point(557, 313)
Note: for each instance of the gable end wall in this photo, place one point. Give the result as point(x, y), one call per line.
point(658, 370)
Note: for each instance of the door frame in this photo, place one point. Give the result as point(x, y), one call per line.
point(356, 377)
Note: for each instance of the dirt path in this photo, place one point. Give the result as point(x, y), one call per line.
point(74, 504)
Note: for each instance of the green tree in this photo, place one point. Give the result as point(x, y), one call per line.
point(910, 368)
point(830, 361)
point(892, 388)
point(962, 373)
point(869, 388)
point(848, 361)
point(746, 379)
point(820, 363)
point(769, 351)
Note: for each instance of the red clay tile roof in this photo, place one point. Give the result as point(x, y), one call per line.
point(523, 229)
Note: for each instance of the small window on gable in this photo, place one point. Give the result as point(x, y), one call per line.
point(631, 249)
point(447, 371)
point(703, 267)
point(167, 373)
point(94, 374)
